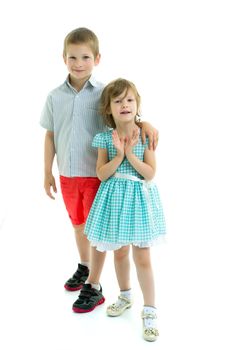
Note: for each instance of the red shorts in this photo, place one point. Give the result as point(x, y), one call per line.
point(78, 194)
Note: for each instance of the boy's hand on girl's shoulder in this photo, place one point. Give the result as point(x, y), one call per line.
point(49, 181)
point(152, 133)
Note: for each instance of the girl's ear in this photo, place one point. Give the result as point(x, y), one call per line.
point(108, 110)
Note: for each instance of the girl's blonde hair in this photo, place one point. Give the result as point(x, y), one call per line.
point(82, 36)
point(112, 90)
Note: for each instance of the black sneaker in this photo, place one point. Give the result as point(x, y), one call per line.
point(79, 277)
point(88, 299)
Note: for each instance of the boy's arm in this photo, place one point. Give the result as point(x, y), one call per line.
point(49, 153)
point(148, 130)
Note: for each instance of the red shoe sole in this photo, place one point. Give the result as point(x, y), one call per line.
point(72, 289)
point(78, 310)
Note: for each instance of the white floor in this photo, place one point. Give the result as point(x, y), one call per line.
point(192, 282)
point(185, 79)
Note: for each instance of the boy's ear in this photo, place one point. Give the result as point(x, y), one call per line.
point(97, 59)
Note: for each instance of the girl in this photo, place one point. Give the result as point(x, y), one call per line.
point(127, 208)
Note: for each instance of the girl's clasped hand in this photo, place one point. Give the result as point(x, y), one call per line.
point(125, 145)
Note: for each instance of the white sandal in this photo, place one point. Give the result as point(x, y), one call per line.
point(149, 333)
point(119, 307)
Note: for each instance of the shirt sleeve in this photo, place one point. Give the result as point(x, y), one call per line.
point(99, 140)
point(46, 119)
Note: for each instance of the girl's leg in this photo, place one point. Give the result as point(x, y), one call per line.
point(146, 280)
point(122, 267)
point(142, 261)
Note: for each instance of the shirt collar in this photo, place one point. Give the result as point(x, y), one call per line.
point(91, 81)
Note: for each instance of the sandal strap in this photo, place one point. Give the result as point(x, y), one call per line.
point(124, 299)
point(152, 316)
point(116, 307)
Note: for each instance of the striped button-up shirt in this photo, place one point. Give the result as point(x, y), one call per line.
point(73, 117)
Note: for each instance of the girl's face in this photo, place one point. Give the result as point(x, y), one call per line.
point(80, 61)
point(124, 107)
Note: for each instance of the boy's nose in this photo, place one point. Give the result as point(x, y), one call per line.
point(78, 63)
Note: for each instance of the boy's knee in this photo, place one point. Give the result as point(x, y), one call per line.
point(79, 229)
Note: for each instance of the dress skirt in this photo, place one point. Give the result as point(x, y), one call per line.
point(125, 211)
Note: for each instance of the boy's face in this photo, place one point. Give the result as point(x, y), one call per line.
point(80, 61)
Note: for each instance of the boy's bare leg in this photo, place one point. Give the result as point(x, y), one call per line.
point(96, 267)
point(91, 292)
point(82, 242)
point(79, 277)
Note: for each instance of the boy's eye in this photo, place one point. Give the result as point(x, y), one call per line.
point(72, 57)
point(86, 57)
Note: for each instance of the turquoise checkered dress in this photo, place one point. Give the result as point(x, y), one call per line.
point(126, 209)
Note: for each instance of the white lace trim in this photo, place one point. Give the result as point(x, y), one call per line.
point(104, 246)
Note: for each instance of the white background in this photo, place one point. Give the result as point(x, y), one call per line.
point(179, 54)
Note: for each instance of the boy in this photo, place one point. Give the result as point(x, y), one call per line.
point(70, 116)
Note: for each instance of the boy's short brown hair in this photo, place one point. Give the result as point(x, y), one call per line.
point(82, 36)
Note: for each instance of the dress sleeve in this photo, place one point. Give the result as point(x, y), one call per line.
point(99, 141)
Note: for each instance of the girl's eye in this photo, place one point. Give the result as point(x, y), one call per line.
point(86, 57)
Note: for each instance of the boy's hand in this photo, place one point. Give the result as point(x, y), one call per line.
point(49, 181)
point(152, 133)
